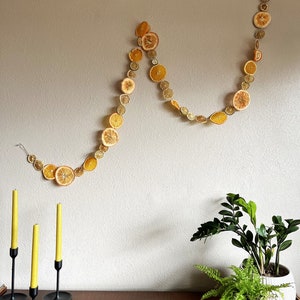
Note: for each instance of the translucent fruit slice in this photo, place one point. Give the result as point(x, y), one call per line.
point(241, 100)
point(261, 19)
point(90, 163)
point(142, 29)
point(157, 73)
point(218, 117)
point(127, 85)
point(64, 175)
point(115, 120)
point(109, 137)
point(250, 67)
point(135, 55)
point(150, 41)
point(49, 171)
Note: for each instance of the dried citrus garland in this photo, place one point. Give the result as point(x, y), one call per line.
point(65, 175)
point(148, 41)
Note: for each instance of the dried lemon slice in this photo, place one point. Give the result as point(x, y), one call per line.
point(157, 73)
point(115, 120)
point(250, 67)
point(90, 163)
point(262, 19)
point(109, 137)
point(127, 85)
point(218, 117)
point(64, 175)
point(135, 54)
point(241, 100)
point(49, 171)
point(142, 29)
point(150, 41)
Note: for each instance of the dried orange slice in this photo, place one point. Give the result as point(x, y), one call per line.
point(261, 19)
point(135, 55)
point(64, 175)
point(79, 171)
point(157, 73)
point(257, 55)
point(142, 29)
point(115, 120)
point(49, 171)
point(250, 67)
point(90, 163)
point(175, 104)
point(150, 41)
point(109, 137)
point(218, 117)
point(127, 85)
point(241, 100)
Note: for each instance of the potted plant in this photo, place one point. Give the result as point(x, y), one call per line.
point(243, 284)
point(262, 243)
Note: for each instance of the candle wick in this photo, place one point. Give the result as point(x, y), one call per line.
point(21, 146)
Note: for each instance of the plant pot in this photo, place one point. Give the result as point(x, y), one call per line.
point(288, 293)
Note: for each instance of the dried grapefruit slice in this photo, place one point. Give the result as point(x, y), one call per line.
point(142, 29)
point(261, 19)
point(90, 163)
point(64, 175)
point(150, 41)
point(241, 100)
point(158, 73)
point(49, 171)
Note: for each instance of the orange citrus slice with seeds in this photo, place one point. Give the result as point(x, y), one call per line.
point(157, 73)
point(90, 163)
point(64, 175)
point(250, 67)
point(142, 29)
point(218, 117)
point(49, 171)
point(135, 55)
point(109, 137)
point(261, 19)
point(241, 100)
point(115, 120)
point(150, 41)
point(127, 85)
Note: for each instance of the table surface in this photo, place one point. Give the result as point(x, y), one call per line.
point(103, 295)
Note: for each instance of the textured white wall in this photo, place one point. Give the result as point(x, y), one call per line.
point(127, 224)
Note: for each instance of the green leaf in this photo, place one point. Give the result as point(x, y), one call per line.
point(236, 243)
point(227, 205)
point(225, 213)
point(285, 245)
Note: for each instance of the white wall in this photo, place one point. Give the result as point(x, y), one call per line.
point(127, 224)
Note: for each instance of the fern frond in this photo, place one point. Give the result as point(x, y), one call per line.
point(211, 272)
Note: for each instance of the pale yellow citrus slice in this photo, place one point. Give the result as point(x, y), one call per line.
point(157, 73)
point(261, 19)
point(218, 117)
point(250, 67)
point(109, 137)
point(115, 120)
point(90, 163)
point(49, 171)
point(64, 175)
point(241, 100)
point(135, 54)
point(142, 29)
point(127, 85)
point(150, 41)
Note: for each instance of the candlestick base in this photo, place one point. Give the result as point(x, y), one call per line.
point(60, 296)
point(15, 296)
point(33, 292)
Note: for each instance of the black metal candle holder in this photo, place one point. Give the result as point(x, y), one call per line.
point(12, 295)
point(33, 292)
point(58, 294)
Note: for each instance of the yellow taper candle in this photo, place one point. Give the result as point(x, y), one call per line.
point(58, 253)
point(14, 223)
point(34, 257)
